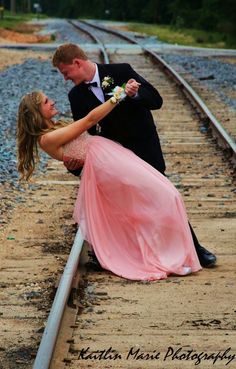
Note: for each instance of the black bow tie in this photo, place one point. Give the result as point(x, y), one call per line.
point(92, 84)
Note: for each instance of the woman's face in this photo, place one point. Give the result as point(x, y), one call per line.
point(47, 108)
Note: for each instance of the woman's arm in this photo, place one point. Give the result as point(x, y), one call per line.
point(52, 142)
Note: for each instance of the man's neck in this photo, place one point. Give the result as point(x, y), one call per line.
point(91, 70)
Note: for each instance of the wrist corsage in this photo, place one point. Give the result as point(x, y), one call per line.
point(118, 94)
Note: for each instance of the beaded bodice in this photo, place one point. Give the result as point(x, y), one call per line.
point(76, 148)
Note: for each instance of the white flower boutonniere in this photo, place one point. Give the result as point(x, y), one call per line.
point(107, 82)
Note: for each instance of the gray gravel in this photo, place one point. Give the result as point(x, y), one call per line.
point(38, 74)
point(15, 82)
point(61, 31)
point(214, 74)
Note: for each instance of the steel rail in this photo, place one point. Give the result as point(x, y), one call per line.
point(48, 341)
point(223, 138)
point(49, 338)
point(77, 25)
point(113, 32)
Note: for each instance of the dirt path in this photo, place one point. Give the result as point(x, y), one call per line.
point(33, 253)
point(11, 57)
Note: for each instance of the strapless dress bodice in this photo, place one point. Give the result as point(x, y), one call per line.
point(77, 148)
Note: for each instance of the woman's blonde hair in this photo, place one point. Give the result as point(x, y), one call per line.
point(30, 126)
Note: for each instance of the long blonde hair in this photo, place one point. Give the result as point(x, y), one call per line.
point(30, 126)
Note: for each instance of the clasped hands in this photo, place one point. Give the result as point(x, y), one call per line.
point(132, 87)
point(131, 90)
point(127, 89)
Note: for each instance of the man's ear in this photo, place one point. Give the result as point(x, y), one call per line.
point(77, 62)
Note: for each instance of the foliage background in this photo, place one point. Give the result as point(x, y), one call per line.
point(208, 15)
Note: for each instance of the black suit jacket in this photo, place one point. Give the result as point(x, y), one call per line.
point(131, 122)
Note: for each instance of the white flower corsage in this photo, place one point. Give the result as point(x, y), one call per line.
point(107, 82)
point(118, 94)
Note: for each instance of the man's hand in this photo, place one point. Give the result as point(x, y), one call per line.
point(72, 164)
point(132, 87)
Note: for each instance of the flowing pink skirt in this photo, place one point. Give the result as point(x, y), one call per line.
point(132, 215)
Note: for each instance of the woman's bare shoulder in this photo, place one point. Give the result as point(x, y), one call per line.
point(45, 140)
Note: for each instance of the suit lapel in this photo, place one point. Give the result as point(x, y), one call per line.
point(103, 72)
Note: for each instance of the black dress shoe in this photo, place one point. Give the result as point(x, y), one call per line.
point(93, 263)
point(206, 258)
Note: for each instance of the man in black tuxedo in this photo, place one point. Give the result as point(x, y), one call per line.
point(131, 123)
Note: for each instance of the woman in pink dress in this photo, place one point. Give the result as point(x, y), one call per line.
point(132, 215)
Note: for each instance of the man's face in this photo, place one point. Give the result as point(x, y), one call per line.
point(72, 72)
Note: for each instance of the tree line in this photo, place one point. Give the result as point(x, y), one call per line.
point(209, 15)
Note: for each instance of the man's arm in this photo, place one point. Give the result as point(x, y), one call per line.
point(72, 167)
point(147, 95)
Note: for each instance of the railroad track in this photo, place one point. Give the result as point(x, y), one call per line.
point(218, 130)
point(106, 311)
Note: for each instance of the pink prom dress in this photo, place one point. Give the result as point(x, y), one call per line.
point(132, 215)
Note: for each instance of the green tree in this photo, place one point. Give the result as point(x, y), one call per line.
point(210, 15)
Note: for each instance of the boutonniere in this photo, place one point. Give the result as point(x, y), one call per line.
point(107, 82)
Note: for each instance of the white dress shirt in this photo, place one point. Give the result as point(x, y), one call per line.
point(97, 90)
